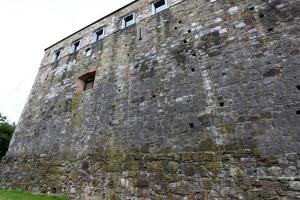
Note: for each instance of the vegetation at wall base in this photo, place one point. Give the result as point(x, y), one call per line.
point(6, 131)
point(18, 195)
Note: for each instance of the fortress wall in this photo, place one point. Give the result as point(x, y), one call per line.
point(205, 105)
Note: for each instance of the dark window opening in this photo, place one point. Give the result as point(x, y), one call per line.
point(189, 31)
point(159, 6)
point(75, 46)
point(270, 29)
point(88, 51)
point(184, 41)
point(99, 34)
point(298, 112)
point(298, 87)
point(153, 96)
point(191, 125)
point(180, 22)
point(56, 55)
point(193, 69)
point(175, 28)
point(87, 81)
point(89, 84)
point(128, 21)
point(221, 104)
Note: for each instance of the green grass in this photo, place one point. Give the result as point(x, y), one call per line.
point(17, 195)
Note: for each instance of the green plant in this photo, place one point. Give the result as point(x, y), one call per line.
point(18, 195)
point(6, 131)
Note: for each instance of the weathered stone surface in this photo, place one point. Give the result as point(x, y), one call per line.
point(199, 101)
point(172, 167)
point(295, 185)
point(275, 171)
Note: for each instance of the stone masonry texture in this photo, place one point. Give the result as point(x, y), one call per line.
point(198, 102)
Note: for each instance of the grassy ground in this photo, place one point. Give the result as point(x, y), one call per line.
point(16, 195)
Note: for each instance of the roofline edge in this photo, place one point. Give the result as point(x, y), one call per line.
point(91, 24)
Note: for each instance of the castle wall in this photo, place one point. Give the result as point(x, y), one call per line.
point(205, 105)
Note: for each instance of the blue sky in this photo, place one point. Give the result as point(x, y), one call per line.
point(27, 28)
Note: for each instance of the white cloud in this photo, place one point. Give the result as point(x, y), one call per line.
point(27, 28)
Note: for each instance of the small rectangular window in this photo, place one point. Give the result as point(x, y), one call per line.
point(75, 46)
point(99, 34)
point(56, 55)
point(86, 81)
point(159, 6)
point(128, 20)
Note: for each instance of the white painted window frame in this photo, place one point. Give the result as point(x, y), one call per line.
point(155, 10)
point(133, 20)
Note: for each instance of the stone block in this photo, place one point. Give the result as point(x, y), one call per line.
point(294, 185)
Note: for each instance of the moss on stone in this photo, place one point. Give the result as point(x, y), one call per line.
point(227, 129)
point(75, 102)
point(213, 165)
point(189, 170)
point(172, 167)
point(116, 155)
point(73, 174)
point(74, 109)
point(208, 145)
point(54, 172)
point(132, 165)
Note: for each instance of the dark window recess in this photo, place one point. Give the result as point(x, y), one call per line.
point(89, 84)
point(87, 80)
point(222, 104)
point(160, 6)
point(191, 125)
point(298, 112)
point(57, 55)
point(88, 50)
point(193, 69)
point(99, 34)
point(153, 96)
point(128, 21)
point(76, 46)
point(298, 87)
point(189, 31)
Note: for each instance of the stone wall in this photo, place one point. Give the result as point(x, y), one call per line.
point(206, 105)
